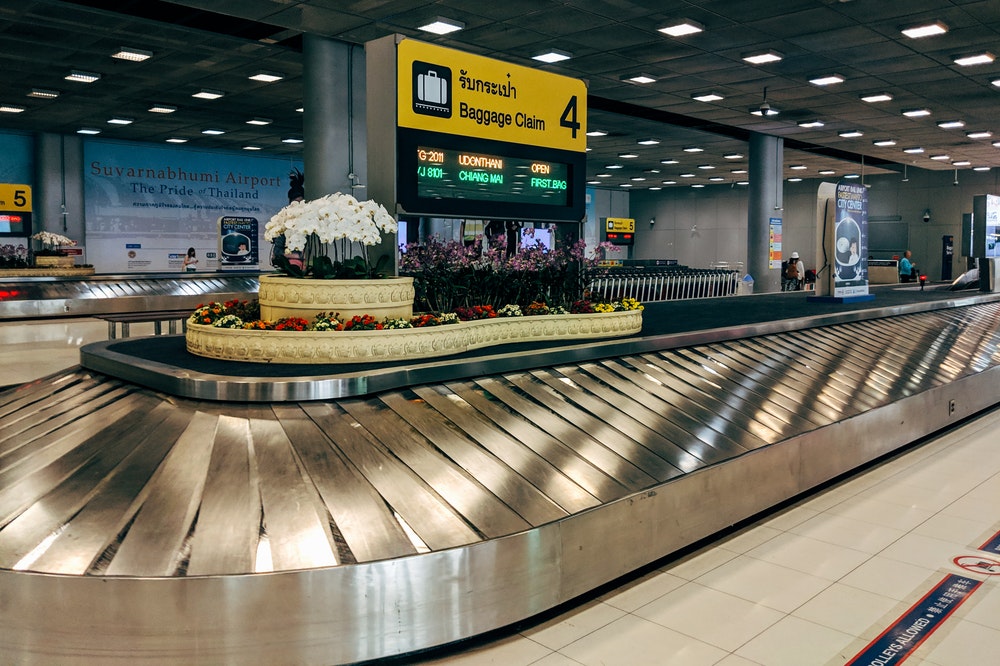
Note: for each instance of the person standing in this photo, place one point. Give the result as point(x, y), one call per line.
point(190, 261)
point(795, 272)
point(907, 269)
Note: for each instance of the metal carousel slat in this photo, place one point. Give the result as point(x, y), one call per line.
point(55, 412)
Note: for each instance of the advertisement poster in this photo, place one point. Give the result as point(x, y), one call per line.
point(239, 247)
point(146, 205)
point(850, 276)
point(774, 243)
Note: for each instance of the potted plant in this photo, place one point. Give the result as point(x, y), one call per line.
point(52, 253)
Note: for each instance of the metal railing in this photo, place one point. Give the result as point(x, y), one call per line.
point(666, 284)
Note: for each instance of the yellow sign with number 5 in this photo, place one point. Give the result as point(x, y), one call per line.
point(15, 197)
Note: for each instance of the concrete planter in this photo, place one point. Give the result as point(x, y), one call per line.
point(282, 296)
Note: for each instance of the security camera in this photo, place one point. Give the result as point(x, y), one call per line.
point(927, 216)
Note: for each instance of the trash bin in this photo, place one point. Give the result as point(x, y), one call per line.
point(746, 285)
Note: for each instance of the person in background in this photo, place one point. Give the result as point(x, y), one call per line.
point(296, 192)
point(907, 269)
point(795, 272)
point(190, 261)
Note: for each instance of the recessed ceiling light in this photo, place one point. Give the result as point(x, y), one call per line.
point(162, 108)
point(941, 158)
point(651, 171)
point(698, 185)
point(827, 172)
point(593, 182)
point(707, 97)
point(693, 149)
point(637, 179)
point(852, 176)
point(811, 123)
point(176, 139)
point(668, 161)
point(604, 175)
point(916, 113)
point(733, 156)
point(628, 156)
point(762, 58)
point(670, 182)
point(877, 97)
point(981, 168)
point(259, 121)
point(442, 26)
point(827, 80)
point(925, 30)
point(716, 179)
point(88, 130)
point(655, 188)
point(597, 132)
point(996, 144)
point(292, 139)
point(961, 163)
point(648, 142)
point(118, 120)
point(743, 182)
point(12, 108)
point(687, 175)
point(300, 109)
point(552, 55)
point(82, 77)
point(251, 147)
point(798, 167)
point(639, 78)
point(882, 143)
point(975, 59)
point(915, 150)
point(42, 93)
point(681, 27)
point(266, 77)
point(213, 132)
point(850, 134)
point(706, 166)
point(625, 185)
point(588, 149)
point(738, 171)
point(614, 166)
point(794, 180)
point(981, 134)
point(206, 93)
point(132, 55)
point(951, 124)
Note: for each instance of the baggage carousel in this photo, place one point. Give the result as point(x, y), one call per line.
point(157, 508)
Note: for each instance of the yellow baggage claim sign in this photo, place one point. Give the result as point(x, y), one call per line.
point(449, 91)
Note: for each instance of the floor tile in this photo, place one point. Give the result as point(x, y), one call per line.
point(848, 609)
point(881, 512)
point(568, 627)
point(736, 660)
point(848, 532)
point(954, 529)
point(749, 538)
point(983, 607)
point(555, 659)
point(890, 578)
point(711, 616)
point(789, 518)
point(634, 641)
point(817, 558)
point(696, 564)
point(638, 593)
point(915, 496)
point(795, 642)
point(923, 551)
point(962, 643)
point(761, 582)
point(510, 651)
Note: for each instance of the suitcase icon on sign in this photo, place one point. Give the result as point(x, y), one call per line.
point(431, 84)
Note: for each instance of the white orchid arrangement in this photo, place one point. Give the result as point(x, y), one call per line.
point(50, 242)
point(337, 220)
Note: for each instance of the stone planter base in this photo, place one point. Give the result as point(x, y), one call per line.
point(402, 344)
point(69, 271)
point(282, 296)
point(54, 262)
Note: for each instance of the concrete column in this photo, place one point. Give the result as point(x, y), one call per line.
point(765, 201)
point(57, 198)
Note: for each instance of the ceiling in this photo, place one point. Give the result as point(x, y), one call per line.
point(218, 44)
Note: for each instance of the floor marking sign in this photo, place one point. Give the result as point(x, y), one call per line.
point(978, 564)
point(993, 545)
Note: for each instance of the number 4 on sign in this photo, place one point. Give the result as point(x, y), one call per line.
point(568, 117)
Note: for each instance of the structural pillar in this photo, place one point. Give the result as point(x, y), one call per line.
point(765, 202)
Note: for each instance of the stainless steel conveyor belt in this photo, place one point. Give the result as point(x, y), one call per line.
point(334, 531)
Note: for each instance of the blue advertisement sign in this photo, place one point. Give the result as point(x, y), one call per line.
point(850, 266)
point(916, 625)
point(239, 248)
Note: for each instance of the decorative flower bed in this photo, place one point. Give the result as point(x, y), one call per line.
point(228, 332)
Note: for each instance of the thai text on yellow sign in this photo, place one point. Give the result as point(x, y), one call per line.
point(449, 91)
point(15, 197)
point(623, 225)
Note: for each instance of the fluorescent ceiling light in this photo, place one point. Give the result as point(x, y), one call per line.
point(794, 180)
point(996, 82)
point(681, 27)
point(851, 134)
point(291, 139)
point(827, 80)
point(552, 55)
point(915, 150)
point(604, 175)
point(300, 109)
point(88, 130)
point(798, 167)
point(628, 156)
point(655, 189)
point(693, 149)
point(593, 182)
point(132, 55)
point(981, 168)
point(827, 172)
point(962, 163)
point(687, 175)
point(975, 59)
point(614, 166)
point(882, 143)
point(743, 182)
point(762, 58)
point(12, 108)
point(162, 108)
point(716, 179)
point(651, 171)
point(670, 182)
point(738, 171)
point(668, 161)
point(639, 78)
point(852, 176)
point(259, 121)
point(733, 156)
point(597, 132)
point(267, 77)
point(82, 77)
point(916, 113)
point(648, 142)
point(42, 93)
point(877, 97)
point(951, 124)
point(996, 144)
point(698, 185)
point(637, 179)
point(121, 121)
point(206, 93)
point(625, 185)
point(251, 147)
point(175, 139)
point(925, 30)
point(981, 134)
point(442, 26)
point(811, 123)
point(941, 158)
point(706, 166)
point(213, 132)
point(707, 97)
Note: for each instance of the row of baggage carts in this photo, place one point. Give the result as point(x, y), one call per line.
point(666, 283)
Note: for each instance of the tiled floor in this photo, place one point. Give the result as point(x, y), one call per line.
point(810, 584)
